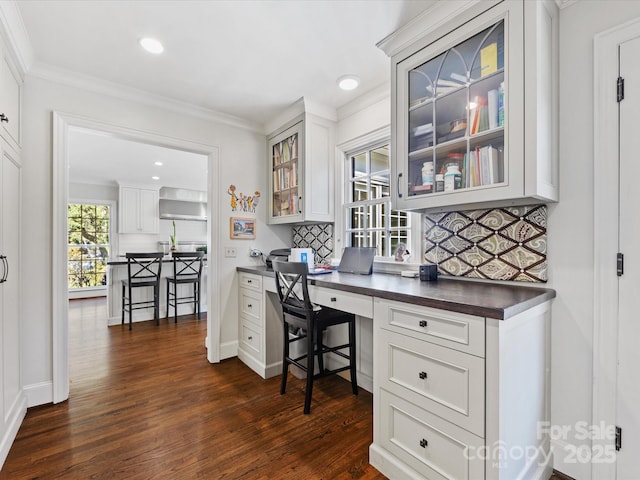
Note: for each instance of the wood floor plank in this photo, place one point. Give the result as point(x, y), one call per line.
point(146, 404)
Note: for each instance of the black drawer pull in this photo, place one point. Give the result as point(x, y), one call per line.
point(334, 299)
point(423, 323)
point(249, 338)
point(4, 118)
point(422, 375)
point(249, 305)
point(248, 281)
point(424, 443)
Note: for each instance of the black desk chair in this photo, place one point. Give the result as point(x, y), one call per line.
point(187, 269)
point(143, 270)
point(299, 313)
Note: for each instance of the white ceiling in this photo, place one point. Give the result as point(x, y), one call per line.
point(245, 59)
point(103, 159)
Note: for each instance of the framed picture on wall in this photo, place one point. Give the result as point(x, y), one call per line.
point(242, 228)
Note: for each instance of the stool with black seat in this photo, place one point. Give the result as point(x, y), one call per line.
point(298, 313)
point(143, 270)
point(187, 269)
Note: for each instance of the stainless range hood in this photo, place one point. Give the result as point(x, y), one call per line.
point(183, 204)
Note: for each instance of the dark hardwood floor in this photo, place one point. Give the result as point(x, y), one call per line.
point(146, 404)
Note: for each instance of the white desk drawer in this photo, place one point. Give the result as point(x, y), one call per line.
point(250, 339)
point(249, 280)
point(450, 329)
point(345, 301)
point(251, 305)
point(428, 444)
point(446, 382)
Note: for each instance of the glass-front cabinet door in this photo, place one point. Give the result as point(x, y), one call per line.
point(285, 172)
point(459, 130)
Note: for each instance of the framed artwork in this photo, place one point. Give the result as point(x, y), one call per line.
point(242, 228)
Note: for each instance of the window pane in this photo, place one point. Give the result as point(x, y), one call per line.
point(359, 165)
point(379, 159)
point(359, 239)
point(356, 216)
point(88, 250)
point(359, 191)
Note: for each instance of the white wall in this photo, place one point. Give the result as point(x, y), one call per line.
point(570, 224)
point(242, 162)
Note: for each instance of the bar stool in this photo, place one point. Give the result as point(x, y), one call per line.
point(187, 269)
point(143, 270)
point(299, 313)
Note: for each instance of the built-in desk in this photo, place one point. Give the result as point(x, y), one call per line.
point(459, 370)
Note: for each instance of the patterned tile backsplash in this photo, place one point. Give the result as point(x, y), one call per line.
point(495, 244)
point(319, 237)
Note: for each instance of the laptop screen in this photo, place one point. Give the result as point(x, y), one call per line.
point(357, 260)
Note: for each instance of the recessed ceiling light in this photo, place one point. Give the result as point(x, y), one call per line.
point(348, 82)
point(158, 163)
point(155, 178)
point(151, 45)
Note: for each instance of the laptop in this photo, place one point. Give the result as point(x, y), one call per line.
point(357, 260)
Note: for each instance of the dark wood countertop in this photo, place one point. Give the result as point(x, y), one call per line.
point(484, 299)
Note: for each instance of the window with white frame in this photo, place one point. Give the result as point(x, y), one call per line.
point(369, 218)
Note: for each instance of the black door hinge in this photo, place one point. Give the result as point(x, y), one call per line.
point(619, 264)
point(618, 438)
point(620, 89)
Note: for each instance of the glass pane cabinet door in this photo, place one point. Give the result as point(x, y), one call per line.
point(456, 117)
point(284, 162)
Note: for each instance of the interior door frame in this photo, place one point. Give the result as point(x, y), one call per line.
point(606, 239)
point(60, 326)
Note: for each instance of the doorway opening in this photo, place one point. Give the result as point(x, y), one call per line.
point(65, 187)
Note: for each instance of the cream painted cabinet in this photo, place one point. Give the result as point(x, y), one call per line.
point(12, 400)
point(259, 327)
point(301, 159)
point(10, 99)
point(474, 107)
point(459, 396)
point(138, 210)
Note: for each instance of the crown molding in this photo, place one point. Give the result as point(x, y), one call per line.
point(565, 3)
point(367, 99)
point(123, 92)
point(15, 36)
point(301, 106)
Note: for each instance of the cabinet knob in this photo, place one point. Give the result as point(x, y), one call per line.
point(4, 118)
point(249, 305)
point(249, 338)
point(423, 323)
point(422, 375)
point(334, 299)
point(424, 443)
point(248, 281)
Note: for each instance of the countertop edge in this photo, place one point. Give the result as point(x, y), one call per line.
point(499, 313)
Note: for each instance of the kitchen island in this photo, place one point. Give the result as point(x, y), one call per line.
point(459, 370)
point(117, 271)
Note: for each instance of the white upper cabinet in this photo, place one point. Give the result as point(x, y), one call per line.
point(474, 107)
point(138, 210)
point(10, 99)
point(300, 170)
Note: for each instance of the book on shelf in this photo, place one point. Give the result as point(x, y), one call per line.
point(485, 166)
point(479, 115)
point(492, 99)
point(489, 59)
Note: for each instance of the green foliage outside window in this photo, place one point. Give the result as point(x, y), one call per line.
point(88, 245)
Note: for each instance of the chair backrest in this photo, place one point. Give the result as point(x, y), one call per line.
point(146, 266)
point(187, 264)
point(291, 284)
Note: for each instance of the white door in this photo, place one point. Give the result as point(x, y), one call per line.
point(628, 390)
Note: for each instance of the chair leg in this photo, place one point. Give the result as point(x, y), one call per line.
point(285, 362)
point(175, 303)
point(319, 350)
point(310, 369)
point(130, 309)
point(197, 301)
point(352, 355)
point(168, 282)
point(123, 303)
point(156, 303)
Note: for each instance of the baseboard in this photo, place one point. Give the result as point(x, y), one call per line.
point(38, 394)
point(228, 349)
point(13, 422)
point(564, 461)
point(252, 363)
